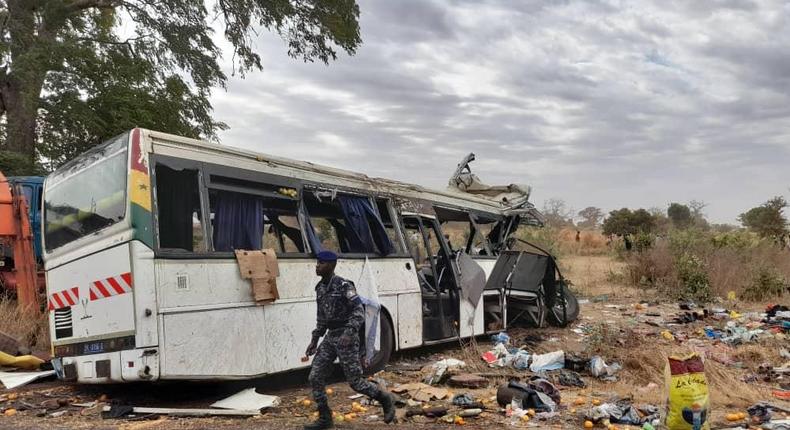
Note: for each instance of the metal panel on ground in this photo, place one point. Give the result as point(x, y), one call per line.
point(409, 320)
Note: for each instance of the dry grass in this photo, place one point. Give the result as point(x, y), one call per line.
point(600, 275)
point(756, 272)
point(646, 365)
point(590, 242)
point(32, 330)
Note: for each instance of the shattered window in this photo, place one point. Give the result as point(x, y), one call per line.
point(253, 221)
point(179, 214)
point(481, 239)
point(457, 234)
point(350, 223)
point(328, 222)
point(383, 206)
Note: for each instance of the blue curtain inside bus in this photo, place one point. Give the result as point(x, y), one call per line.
point(312, 237)
point(238, 222)
point(365, 230)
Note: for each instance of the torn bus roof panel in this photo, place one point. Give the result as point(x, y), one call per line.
point(511, 196)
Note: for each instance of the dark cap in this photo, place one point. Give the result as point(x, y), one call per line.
point(326, 256)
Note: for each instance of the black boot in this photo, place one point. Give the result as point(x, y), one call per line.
point(387, 404)
point(324, 420)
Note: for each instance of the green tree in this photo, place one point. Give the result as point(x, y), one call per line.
point(618, 222)
point(643, 221)
point(768, 219)
point(622, 222)
point(591, 217)
point(68, 73)
point(680, 215)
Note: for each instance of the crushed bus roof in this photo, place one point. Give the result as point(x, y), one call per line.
point(355, 179)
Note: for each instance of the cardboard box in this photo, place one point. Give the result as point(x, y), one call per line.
point(260, 267)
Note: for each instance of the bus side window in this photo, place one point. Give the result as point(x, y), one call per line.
point(348, 223)
point(328, 223)
point(282, 232)
point(252, 221)
point(383, 206)
point(457, 227)
point(179, 214)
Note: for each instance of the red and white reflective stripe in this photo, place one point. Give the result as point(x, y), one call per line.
point(112, 286)
point(64, 299)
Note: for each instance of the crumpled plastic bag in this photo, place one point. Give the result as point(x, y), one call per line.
point(501, 337)
point(521, 360)
point(623, 412)
point(600, 369)
point(440, 368)
point(463, 399)
point(549, 361)
point(570, 378)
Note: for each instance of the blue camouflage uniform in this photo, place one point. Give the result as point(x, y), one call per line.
point(340, 316)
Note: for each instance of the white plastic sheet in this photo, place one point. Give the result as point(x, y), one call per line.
point(18, 379)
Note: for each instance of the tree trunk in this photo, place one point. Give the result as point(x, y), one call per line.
point(21, 87)
point(20, 98)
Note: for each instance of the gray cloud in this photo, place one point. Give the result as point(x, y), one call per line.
point(602, 103)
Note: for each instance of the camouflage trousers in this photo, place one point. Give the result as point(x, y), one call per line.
point(349, 356)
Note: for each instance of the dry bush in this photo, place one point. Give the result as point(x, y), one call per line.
point(590, 242)
point(726, 271)
point(698, 265)
point(31, 329)
point(653, 267)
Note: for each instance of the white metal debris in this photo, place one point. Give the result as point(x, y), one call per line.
point(247, 400)
point(18, 379)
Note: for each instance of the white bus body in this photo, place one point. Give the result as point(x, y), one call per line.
point(123, 308)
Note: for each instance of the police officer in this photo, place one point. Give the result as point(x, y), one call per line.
point(340, 318)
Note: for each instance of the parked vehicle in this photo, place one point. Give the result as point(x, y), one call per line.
point(18, 272)
point(143, 283)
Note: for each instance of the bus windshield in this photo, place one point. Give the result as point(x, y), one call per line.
point(87, 194)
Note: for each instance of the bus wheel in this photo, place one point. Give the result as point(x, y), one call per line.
point(386, 345)
point(555, 315)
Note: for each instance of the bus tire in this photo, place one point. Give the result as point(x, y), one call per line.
point(554, 316)
point(387, 345)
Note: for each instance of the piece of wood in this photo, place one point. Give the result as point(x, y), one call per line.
point(428, 412)
point(468, 380)
point(182, 412)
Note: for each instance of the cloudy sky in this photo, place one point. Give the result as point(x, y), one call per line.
point(599, 103)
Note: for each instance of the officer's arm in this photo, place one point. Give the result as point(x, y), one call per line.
point(320, 323)
point(357, 316)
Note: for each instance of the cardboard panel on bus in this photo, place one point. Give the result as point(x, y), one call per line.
point(260, 267)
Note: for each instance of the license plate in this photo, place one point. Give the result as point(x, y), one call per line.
point(93, 348)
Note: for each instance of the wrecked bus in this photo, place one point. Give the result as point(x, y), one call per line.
point(143, 283)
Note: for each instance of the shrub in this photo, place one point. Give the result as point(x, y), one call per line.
point(654, 267)
point(766, 283)
point(643, 241)
point(545, 238)
point(693, 278)
point(738, 239)
point(696, 265)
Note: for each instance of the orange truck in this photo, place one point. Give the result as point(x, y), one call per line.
point(17, 234)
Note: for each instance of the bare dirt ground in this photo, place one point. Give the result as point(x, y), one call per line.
point(612, 324)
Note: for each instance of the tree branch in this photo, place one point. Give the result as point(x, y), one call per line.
point(77, 5)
